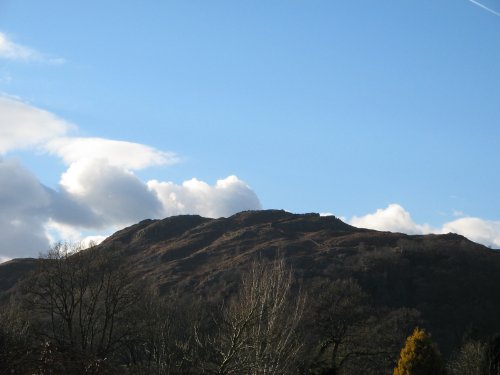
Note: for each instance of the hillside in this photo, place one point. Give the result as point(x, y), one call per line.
point(453, 282)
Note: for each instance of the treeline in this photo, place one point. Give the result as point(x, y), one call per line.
point(82, 313)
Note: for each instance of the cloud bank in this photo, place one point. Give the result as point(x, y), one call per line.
point(98, 192)
point(395, 218)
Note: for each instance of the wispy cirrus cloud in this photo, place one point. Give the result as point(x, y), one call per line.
point(14, 51)
point(485, 7)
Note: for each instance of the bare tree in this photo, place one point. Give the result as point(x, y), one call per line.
point(257, 331)
point(166, 343)
point(83, 301)
point(273, 337)
point(469, 360)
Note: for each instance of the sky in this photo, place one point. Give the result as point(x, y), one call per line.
point(385, 114)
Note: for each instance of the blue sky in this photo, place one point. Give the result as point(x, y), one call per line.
point(384, 113)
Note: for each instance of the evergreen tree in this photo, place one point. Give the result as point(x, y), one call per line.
point(419, 356)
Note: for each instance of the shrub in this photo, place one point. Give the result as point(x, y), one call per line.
point(419, 356)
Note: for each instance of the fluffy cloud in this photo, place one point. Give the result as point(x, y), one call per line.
point(22, 125)
point(478, 230)
point(226, 197)
point(115, 195)
point(395, 218)
point(121, 154)
point(98, 193)
point(96, 197)
point(12, 51)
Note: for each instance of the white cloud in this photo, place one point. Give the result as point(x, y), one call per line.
point(395, 218)
point(226, 197)
point(13, 51)
point(115, 195)
point(121, 154)
point(55, 231)
point(22, 125)
point(478, 230)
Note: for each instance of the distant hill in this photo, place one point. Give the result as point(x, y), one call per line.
point(453, 282)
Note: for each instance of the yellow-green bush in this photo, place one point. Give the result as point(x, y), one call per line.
point(419, 356)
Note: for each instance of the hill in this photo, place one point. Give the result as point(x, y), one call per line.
point(452, 282)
